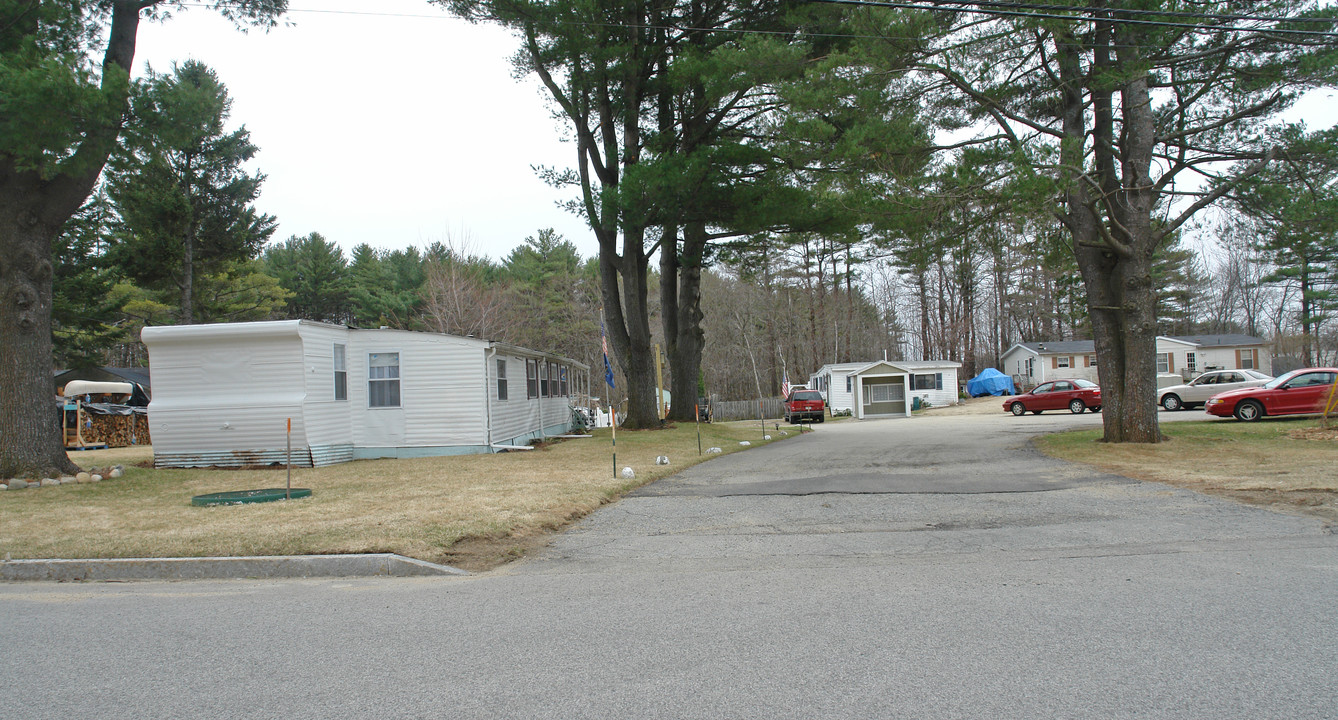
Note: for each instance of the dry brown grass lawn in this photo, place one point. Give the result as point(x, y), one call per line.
point(472, 511)
point(1289, 464)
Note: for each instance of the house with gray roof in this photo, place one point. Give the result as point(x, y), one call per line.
point(1179, 357)
point(886, 388)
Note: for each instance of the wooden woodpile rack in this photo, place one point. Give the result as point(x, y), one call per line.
point(87, 427)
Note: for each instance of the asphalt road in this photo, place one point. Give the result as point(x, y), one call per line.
point(926, 567)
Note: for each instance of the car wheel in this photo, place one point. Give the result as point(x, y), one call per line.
point(1249, 411)
point(822, 419)
point(1035, 412)
point(1076, 407)
point(1172, 402)
point(1096, 409)
point(1018, 409)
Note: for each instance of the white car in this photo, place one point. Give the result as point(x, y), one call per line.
point(1198, 390)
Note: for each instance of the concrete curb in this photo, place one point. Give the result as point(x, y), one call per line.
point(218, 568)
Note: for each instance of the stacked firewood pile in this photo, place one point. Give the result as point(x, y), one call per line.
point(116, 430)
point(95, 426)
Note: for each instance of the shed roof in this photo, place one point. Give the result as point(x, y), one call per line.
point(840, 367)
point(909, 365)
point(288, 328)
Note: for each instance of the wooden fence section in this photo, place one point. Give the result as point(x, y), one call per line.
point(747, 409)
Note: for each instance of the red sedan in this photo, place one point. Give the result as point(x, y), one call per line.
point(1076, 395)
point(1299, 392)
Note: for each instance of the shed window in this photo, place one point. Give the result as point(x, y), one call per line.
point(501, 379)
point(928, 382)
point(543, 379)
point(383, 380)
point(1163, 362)
point(340, 374)
point(1191, 362)
point(1062, 362)
point(849, 387)
point(531, 379)
point(565, 389)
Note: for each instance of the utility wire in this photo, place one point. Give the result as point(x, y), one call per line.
point(977, 9)
point(1114, 11)
point(993, 8)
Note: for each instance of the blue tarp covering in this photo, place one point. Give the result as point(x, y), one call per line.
point(990, 382)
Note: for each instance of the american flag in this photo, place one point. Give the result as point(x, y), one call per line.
point(785, 385)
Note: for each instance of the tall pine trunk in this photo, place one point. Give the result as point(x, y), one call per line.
point(1115, 257)
point(32, 445)
point(680, 308)
point(32, 213)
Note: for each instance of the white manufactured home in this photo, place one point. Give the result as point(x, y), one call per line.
point(886, 387)
point(225, 393)
point(836, 383)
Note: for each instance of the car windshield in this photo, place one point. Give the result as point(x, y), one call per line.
point(1084, 384)
point(1279, 380)
point(807, 395)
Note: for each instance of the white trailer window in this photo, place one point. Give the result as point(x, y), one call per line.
point(340, 374)
point(383, 380)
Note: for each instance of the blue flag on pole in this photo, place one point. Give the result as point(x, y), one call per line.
point(608, 369)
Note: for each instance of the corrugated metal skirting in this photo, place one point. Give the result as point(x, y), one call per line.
point(322, 455)
point(231, 459)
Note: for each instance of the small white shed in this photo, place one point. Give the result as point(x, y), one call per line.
point(224, 393)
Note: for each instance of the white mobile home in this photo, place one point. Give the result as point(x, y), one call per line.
point(224, 393)
point(890, 387)
point(836, 384)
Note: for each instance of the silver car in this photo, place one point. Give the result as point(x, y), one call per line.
point(1198, 390)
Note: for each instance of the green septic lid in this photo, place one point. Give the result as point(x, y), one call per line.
point(238, 497)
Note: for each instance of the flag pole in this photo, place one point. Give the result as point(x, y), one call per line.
point(608, 381)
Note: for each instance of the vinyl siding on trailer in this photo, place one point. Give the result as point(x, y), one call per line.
point(440, 402)
point(328, 422)
point(226, 393)
point(835, 394)
point(839, 399)
point(520, 418)
point(938, 398)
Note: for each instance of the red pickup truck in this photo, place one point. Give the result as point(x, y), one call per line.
point(805, 405)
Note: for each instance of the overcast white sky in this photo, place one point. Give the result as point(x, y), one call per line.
point(389, 123)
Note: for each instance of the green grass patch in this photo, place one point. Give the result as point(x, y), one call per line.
point(1291, 463)
point(472, 510)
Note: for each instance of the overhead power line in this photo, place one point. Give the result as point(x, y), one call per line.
point(997, 8)
point(1113, 15)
